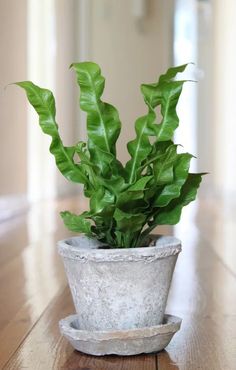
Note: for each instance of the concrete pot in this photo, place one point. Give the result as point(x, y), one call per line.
point(119, 289)
point(119, 342)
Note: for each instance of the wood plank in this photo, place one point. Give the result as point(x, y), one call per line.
point(31, 273)
point(24, 300)
point(202, 343)
point(203, 294)
point(201, 284)
point(28, 283)
point(41, 219)
point(44, 348)
point(220, 231)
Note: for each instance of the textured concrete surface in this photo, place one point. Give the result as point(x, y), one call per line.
point(123, 342)
point(118, 289)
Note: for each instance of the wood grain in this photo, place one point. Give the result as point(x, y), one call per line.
point(31, 272)
point(202, 344)
point(34, 296)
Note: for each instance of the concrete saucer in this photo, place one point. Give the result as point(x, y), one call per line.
point(120, 342)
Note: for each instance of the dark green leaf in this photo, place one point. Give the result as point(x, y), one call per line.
point(172, 191)
point(132, 199)
point(128, 223)
point(140, 147)
point(170, 214)
point(102, 202)
point(163, 167)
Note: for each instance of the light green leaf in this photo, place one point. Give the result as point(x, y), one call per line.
point(165, 93)
point(77, 223)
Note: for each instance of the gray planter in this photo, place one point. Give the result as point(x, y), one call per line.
point(121, 342)
point(119, 289)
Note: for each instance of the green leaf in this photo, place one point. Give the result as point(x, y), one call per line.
point(102, 202)
point(77, 223)
point(165, 93)
point(116, 184)
point(43, 102)
point(172, 73)
point(163, 167)
point(132, 199)
point(158, 150)
point(170, 214)
point(102, 206)
point(103, 123)
point(126, 240)
point(128, 223)
point(140, 147)
point(172, 191)
point(140, 184)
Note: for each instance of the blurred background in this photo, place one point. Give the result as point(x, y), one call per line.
point(133, 41)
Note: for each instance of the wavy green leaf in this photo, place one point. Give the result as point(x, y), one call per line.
point(44, 103)
point(165, 93)
point(140, 147)
point(103, 123)
point(102, 201)
point(140, 184)
point(172, 191)
point(170, 214)
point(132, 199)
point(163, 168)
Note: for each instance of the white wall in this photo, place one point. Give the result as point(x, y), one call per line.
point(130, 51)
point(65, 82)
point(13, 116)
point(205, 122)
point(224, 93)
point(51, 49)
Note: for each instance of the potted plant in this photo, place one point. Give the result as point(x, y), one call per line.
point(119, 273)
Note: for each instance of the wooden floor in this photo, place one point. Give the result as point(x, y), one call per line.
point(34, 295)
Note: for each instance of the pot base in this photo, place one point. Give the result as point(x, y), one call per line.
point(120, 342)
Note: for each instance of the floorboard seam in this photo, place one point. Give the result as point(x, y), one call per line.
point(60, 291)
point(218, 257)
point(157, 362)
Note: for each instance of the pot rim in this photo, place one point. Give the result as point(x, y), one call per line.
point(85, 249)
